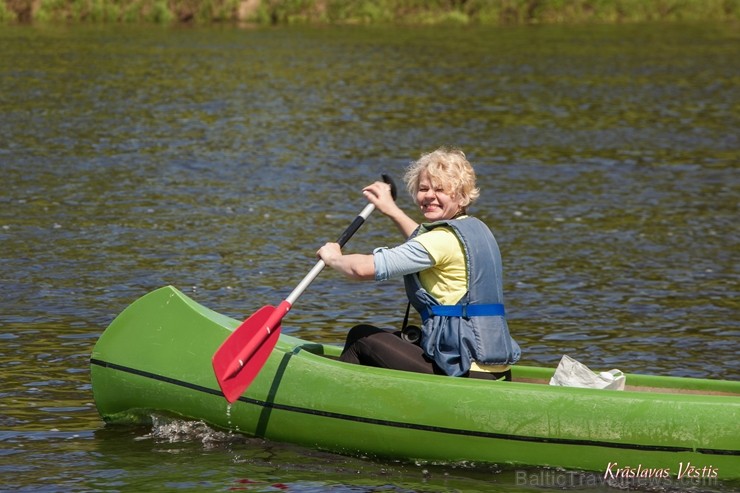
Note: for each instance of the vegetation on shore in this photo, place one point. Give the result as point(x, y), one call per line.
point(272, 12)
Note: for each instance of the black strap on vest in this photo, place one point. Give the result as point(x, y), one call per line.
point(406, 318)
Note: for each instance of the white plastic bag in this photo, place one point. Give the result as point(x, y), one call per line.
point(571, 373)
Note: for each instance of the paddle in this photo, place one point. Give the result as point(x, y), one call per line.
point(243, 354)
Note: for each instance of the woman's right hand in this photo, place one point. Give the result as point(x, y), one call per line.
point(329, 253)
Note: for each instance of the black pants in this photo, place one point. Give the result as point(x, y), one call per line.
point(371, 346)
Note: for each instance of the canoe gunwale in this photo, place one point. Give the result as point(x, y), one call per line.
point(542, 378)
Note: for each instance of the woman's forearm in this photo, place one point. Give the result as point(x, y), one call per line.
point(403, 222)
point(354, 266)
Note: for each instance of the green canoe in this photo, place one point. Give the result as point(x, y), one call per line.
point(155, 357)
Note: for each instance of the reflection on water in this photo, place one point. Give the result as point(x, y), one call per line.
point(219, 160)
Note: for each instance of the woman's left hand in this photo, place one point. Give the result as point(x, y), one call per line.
point(379, 193)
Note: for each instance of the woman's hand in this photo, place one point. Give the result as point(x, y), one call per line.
point(379, 193)
point(330, 253)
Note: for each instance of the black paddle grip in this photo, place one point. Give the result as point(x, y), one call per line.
point(389, 181)
point(359, 220)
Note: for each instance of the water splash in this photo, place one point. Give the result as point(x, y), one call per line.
point(171, 430)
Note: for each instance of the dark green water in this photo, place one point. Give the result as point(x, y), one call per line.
point(219, 160)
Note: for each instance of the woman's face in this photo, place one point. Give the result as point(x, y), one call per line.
point(434, 202)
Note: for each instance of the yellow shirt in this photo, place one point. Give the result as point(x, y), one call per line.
point(447, 280)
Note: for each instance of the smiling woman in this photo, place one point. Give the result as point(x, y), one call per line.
point(451, 267)
point(443, 184)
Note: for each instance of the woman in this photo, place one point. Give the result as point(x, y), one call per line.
point(451, 267)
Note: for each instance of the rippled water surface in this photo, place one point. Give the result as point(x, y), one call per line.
point(219, 159)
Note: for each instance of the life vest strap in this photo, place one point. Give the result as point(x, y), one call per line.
point(466, 311)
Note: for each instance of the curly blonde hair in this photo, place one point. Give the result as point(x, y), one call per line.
point(447, 168)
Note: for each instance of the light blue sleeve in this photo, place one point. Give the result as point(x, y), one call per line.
point(404, 259)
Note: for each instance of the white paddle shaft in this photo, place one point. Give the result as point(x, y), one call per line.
point(313, 274)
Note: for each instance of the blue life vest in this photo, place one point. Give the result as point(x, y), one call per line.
point(475, 328)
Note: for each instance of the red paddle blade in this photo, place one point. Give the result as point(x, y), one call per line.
point(243, 354)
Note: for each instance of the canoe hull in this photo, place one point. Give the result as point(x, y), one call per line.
point(156, 357)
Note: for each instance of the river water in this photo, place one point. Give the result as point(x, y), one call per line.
point(219, 159)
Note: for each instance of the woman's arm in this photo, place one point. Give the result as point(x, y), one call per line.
point(383, 264)
point(355, 266)
point(362, 267)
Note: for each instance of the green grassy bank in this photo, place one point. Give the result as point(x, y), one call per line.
point(267, 12)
